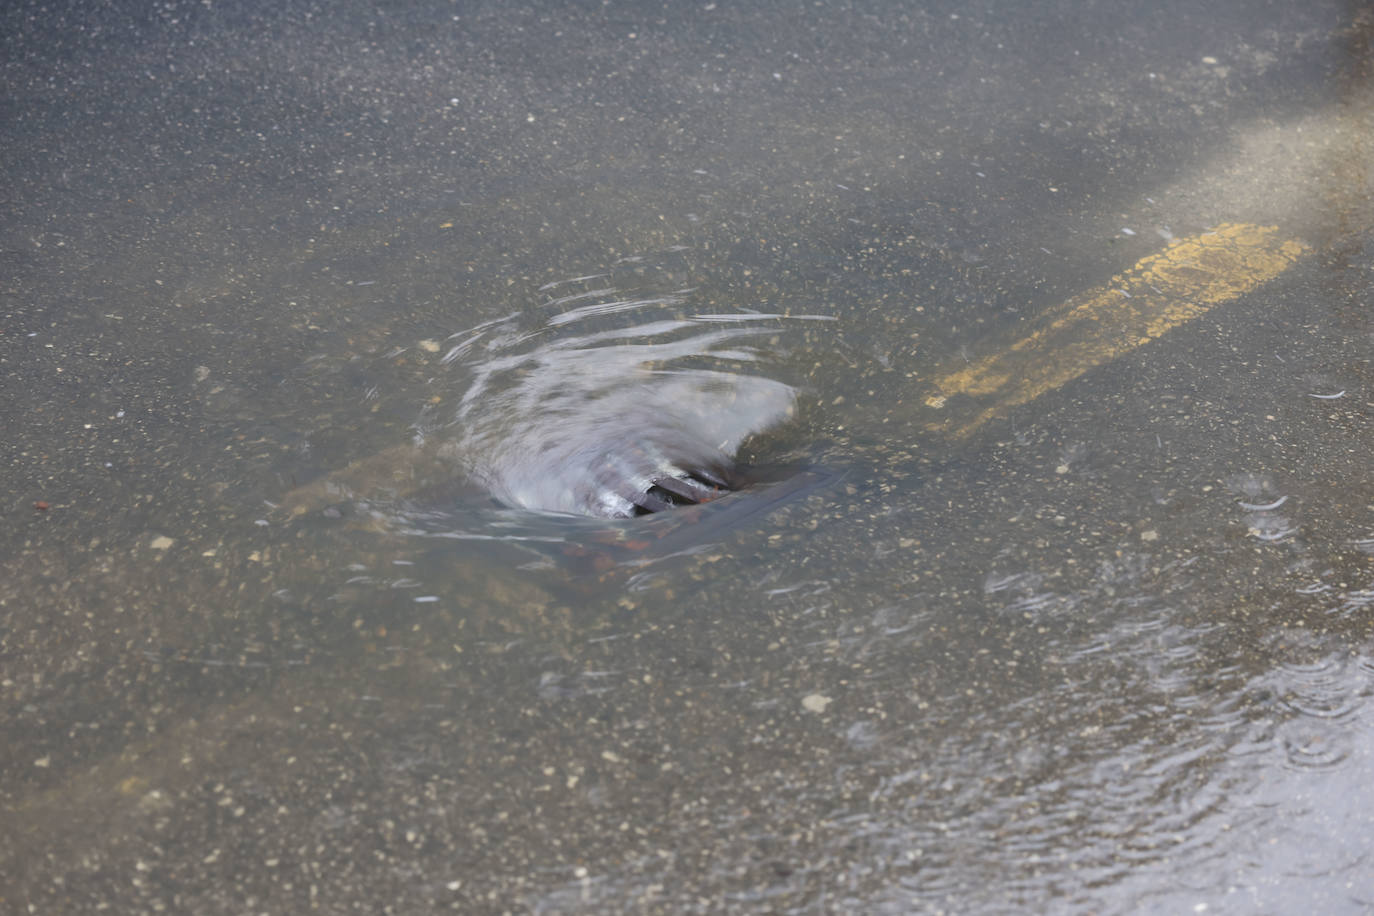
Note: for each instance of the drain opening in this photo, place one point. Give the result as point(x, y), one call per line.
point(670, 491)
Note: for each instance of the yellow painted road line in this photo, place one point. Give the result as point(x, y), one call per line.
point(1158, 294)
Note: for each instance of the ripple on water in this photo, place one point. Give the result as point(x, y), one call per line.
point(1313, 744)
point(1142, 747)
point(1326, 690)
point(1320, 700)
point(1258, 496)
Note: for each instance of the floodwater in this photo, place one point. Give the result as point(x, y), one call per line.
point(331, 335)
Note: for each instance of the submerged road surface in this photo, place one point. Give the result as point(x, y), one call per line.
point(330, 334)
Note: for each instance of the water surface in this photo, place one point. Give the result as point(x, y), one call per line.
point(321, 326)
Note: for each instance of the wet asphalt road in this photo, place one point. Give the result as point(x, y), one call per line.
point(1109, 652)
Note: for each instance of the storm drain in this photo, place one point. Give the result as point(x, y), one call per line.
point(688, 489)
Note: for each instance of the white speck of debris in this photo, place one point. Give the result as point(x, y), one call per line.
point(261, 522)
point(1062, 469)
point(429, 346)
point(161, 542)
point(202, 373)
point(42, 762)
point(580, 871)
point(1328, 397)
point(454, 885)
point(426, 599)
point(1125, 231)
point(1150, 535)
point(612, 756)
point(1209, 59)
point(815, 703)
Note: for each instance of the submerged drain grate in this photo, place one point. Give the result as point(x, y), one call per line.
point(753, 492)
point(669, 491)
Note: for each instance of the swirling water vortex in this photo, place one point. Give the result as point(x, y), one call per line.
point(580, 410)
